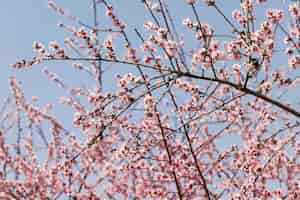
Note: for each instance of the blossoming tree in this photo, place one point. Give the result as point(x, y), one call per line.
point(198, 114)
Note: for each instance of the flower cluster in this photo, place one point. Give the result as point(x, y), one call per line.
point(274, 15)
point(294, 10)
point(131, 55)
point(26, 64)
point(116, 22)
point(108, 44)
point(239, 17)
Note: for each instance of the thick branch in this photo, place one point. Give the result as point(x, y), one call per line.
point(200, 77)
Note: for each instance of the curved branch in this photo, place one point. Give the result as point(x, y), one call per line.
point(247, 91)
point(195, 76)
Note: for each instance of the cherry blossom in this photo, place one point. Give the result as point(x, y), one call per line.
point(175, 108)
